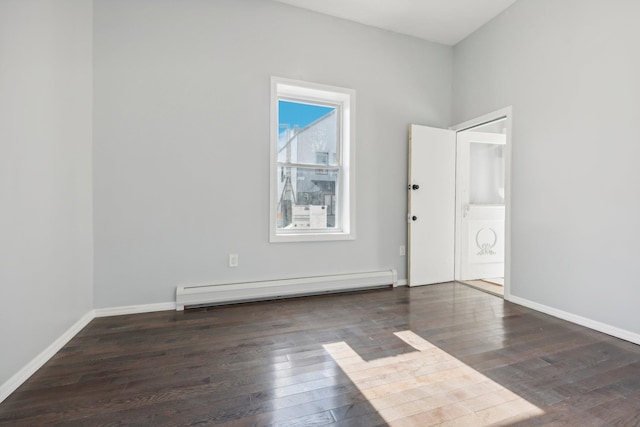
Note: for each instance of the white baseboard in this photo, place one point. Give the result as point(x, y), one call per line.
point(134, 309)
point(402, 282)
point(579, 320)
point(36, 363)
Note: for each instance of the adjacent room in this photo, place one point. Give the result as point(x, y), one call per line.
point(206, 212)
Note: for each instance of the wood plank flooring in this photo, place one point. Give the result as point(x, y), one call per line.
point(435, 355)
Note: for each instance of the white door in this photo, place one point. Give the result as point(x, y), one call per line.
point(431, 200)
point(480, 204)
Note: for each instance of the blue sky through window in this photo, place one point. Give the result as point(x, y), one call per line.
point(296, 113)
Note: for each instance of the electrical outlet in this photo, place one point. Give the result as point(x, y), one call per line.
point(402, 251)
point(233, 260)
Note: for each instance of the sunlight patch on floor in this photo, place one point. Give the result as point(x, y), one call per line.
point(429, 387)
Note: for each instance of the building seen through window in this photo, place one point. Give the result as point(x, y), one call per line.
point(308, 165)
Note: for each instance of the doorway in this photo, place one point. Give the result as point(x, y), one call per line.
point(460, 232)
point(482, 190)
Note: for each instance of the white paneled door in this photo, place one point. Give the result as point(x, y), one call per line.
point(431, 205)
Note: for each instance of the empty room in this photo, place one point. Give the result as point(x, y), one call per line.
point(337, 212)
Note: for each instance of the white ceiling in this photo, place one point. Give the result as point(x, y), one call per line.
point(442, 21)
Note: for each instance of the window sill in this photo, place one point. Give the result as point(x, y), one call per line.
point(311, 237)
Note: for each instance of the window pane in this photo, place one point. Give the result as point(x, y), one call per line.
point(306, 198)
point(308, 133)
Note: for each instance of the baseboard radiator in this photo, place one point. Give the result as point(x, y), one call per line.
point(199, 296)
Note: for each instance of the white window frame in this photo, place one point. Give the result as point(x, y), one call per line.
point(345, 193)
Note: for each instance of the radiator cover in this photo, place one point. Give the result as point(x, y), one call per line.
point(204, 295)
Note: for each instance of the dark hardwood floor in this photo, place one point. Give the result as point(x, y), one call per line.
point(435, 355)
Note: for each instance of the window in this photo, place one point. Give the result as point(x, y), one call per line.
point(312, 171)
point(322, 159)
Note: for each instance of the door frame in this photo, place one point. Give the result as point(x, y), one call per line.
point(503, 113)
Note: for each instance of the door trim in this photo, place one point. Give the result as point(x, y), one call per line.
point(506, 113)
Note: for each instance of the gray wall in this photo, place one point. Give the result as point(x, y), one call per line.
point(181, 155)
point(570, 70)
point(45, 174)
